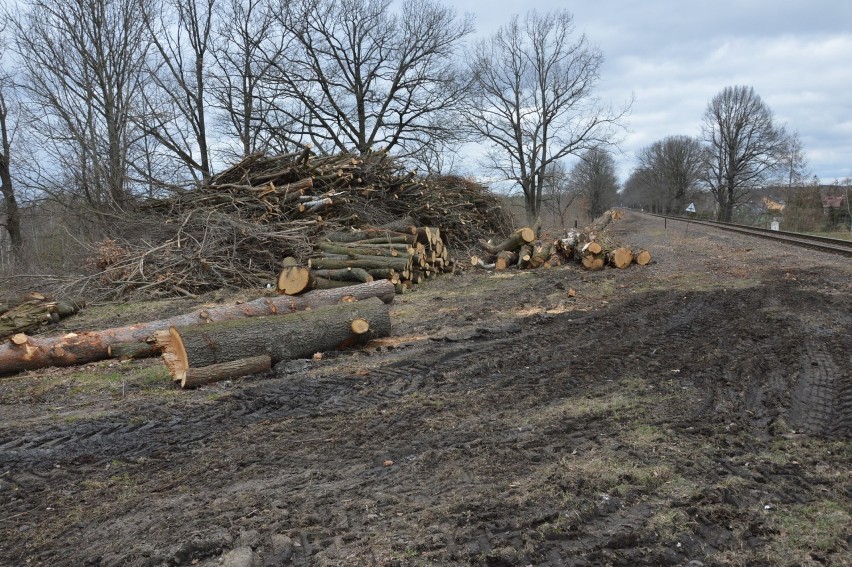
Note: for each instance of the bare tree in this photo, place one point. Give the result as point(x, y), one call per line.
point(558, 192)
point(247, 44)
point(743, 146)
point(80, 63)
point(671, 168)
point(594, 178)
point(794, 162)
point(181, 31)
point(12, 223)
point(360, 75)
point(13, 215)
point(533, 99)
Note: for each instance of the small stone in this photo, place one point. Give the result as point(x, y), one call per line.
point(238, 557)
point(281, 543)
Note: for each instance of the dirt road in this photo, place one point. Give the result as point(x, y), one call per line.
point(697, 411)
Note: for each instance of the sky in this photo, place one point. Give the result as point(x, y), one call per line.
point(672, 57)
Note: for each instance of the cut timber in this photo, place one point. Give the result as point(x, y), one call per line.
point(366, 262)
point(195, 377)
point(33, 313)
point(282, 337)
point(293, 280)
point(517, 239)
point(620, 257)
point(593, 262)
point(352, 249)
point(344, 275)
point(360, 326)
point(29, 353)
point(643, 258)
point(592, 248)
point(505, 258)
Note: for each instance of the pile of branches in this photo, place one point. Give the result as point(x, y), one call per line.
point(234, 231)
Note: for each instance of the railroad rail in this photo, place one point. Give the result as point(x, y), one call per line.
point(821, 243)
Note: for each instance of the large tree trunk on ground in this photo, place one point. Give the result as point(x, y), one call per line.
point(194, 377)
point(37, 352)
point(282, 337)
point(34, 312)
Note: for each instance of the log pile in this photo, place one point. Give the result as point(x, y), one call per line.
point(234, 231)
point(590, 247)
point(22, 352)
point(399, 252)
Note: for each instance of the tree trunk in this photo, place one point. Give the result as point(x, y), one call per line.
point(522, 236)
point(32, 314)
point(72, 349)
point(281, 337)
point(195, 377)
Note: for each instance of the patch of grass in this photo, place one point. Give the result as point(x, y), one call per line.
point(807, 530)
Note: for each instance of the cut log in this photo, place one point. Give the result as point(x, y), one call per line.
point(352, 249)
point(591, 248)
point(344, 275)
point(282, 337)
point(620, 257)
point(522, 236)
point(29, 353)
point(593, 262)
point(505, 258)
point(367, 262)
point(34, 312)
point(293, 280)
point(643, 258)
point(195, 377)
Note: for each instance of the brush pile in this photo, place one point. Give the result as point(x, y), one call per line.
point(235, 231)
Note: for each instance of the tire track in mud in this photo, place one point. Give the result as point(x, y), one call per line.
point(132, 436)
point(702, 337)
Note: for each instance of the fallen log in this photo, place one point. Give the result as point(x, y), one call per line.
point(35, 311)
point(281, 337)
point(522, 236)
point(195, 377)
point(23, 352)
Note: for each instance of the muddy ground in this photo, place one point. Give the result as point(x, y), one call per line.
point(697, 411)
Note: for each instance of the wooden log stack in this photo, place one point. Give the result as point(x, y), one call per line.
point(589, 247)
point(402, 253)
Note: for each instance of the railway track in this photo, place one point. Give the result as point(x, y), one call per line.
point(821, 243)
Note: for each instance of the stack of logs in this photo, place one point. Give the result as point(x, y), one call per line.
point(402, 253)
point(524, 250)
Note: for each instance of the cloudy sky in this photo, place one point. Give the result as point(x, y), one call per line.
point(673, 56)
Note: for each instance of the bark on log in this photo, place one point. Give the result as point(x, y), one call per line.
point(282, 337)
point(505, 258)
point(34, 312)
point(195, 377)
point(366, 262)
point(30, 353)
point(353, 250)
point(522, 236)
point(344, 275)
